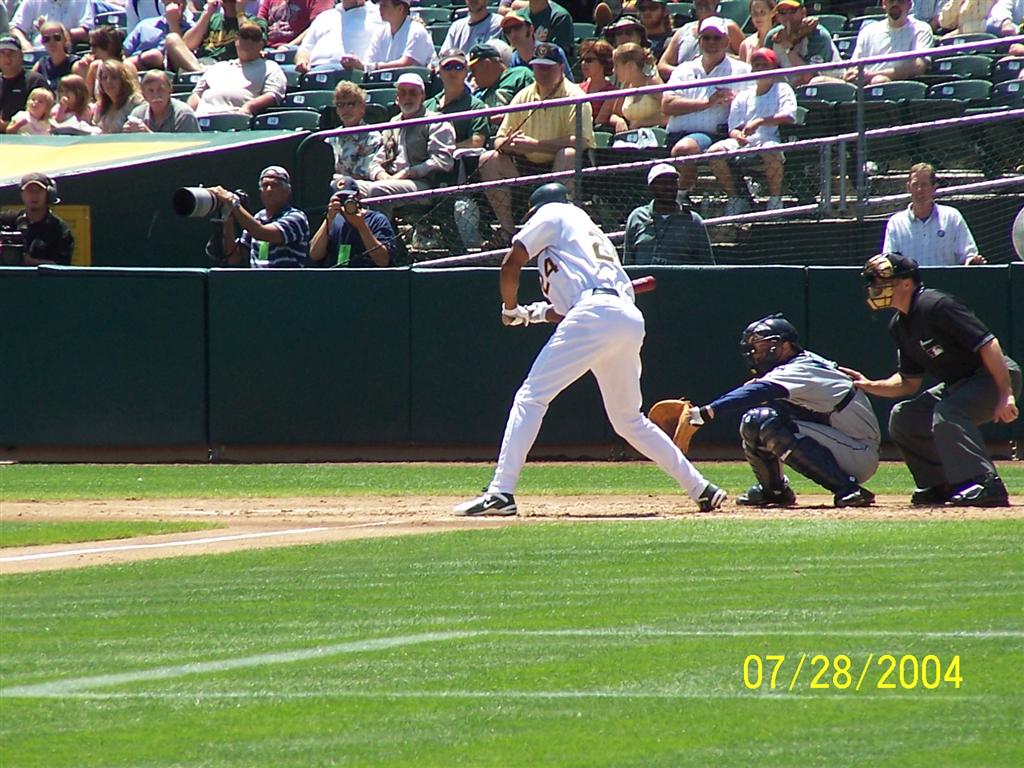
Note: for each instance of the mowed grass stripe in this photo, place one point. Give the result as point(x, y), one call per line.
point(21, 533)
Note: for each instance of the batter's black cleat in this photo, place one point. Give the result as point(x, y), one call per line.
point(711, 498)
point(932, 496)
point(496, 504)
point(757, 496)
point(984, 491)
point(856, 496)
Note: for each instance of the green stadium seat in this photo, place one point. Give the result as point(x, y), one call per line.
point(1009, 93)
point(830, 92)
point(377, 113)
point(188, 78)
point(322, 81)
point(291, 78)
point(434, 15)
point(438, 33)
point(973, 93)
point(386, 78)
point(291, 120)
point(228, 122)
point(29, 58)
point(735, 10)
point(897, 90)
point(602, 139)
point(854, 24)
point(1008, 69)
point(975, 37)
point(680, 13)
point(315, 100)
point(833, 22)
point(284, 56)
point(111, 19)
point(631, 136)
point(845, 46)
point(582, 30)
point(964, 66)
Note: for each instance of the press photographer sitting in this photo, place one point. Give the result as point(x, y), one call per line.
point(44, 238)
point(277, 236)
point(353, 236)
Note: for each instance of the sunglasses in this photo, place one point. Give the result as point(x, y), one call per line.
point(56, 38)
point(709, 38)
point(349, 103)
point(250, 36)
point(589, 59)
point(453, 66)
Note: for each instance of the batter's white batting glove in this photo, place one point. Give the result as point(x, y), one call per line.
point(538, 311)
point(519, 315)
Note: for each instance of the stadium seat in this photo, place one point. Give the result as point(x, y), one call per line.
point(854, 24)
point(831, 92)
point(385, 78)
point(433, 15)
point(188, 78)
point(974, 93)
point(285, 56)
point(631, 136)
point(291, 77)
point(1008, 69)
point(111, 19)
point(292, 120)
point(1009, 93)
point(582, 30)
point(680, 13)
point(833, 22)
point(897, 90)
point(964, 66)
point(29, 58)
point(376, 113)
point(438, 33)
point(845, 46)
point(382, 97)
point(314, 100)
point(602, 139)
point(975, 37)
point(736, 10)
point(227, 122)
point(322, 81)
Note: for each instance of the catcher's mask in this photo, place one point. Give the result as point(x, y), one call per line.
point(547, 193)
point(881, 272)
point(774, 329)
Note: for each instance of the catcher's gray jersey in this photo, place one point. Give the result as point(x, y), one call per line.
point(817, 389)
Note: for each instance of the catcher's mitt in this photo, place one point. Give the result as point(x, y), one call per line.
point(673, 417)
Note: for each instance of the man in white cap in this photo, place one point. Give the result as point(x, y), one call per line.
point(45, 238)
point(663, 231)
point(399, 42)
point(277, 236)
point(699, 116)
point(410, 158)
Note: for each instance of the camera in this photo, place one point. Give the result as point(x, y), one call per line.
point(12, 246)
point(349, 201)
point(199, 202)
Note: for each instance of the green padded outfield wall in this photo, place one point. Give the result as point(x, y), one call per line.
point(103, 357)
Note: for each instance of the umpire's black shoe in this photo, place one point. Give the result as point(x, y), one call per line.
point(984, 491)
point(757, 496)
point(932, 496)
point(856, 496)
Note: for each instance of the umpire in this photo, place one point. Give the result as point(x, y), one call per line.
point(937, 431)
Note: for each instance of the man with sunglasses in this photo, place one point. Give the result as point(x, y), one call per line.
point(212, 38)
point(479, 26)
point(470, 133)
point(898, 32)
point(248, 84)
point(798, 40)
point(495, 83)
point(77, 16)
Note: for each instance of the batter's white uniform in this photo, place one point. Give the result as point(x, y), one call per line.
point(602, 331)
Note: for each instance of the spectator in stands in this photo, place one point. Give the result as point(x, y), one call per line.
point(34, 120)
point(46, 239)
point(699, 116)
point(105, 44)
point(288, 19)
point(685, 43)
point(928, 12)
point(495, 84)
point(657, 24)
point(353, 153)
point(76, 16)
point(118, 95)
point(635, 68)
point(663, 231)
point(353, 236)
point(534, 141)
point(410, 158)
point(212, 38)
point(478, 27)
point(626, 29)
point(596, 66)
point(137, 10)
point(453, 68)
point(933, 235)
point(160, 113)
point(799, 40)
point(399, 42)
point(897, 33)
point(277, 236)
point(551, 24)
point(762, 16)
point(964, 17)
point(146, 44)
point(1007, 19)
point(247, 85)
point(73, 113)
point(58, 60)
point(519, 31)
point(16, 83)
point(754, 119)
point(345, 30)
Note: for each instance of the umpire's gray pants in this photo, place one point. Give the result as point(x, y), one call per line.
point(937, 432)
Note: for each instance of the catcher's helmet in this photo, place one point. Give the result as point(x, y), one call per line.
point(547, 193)
point(773, 328)
point(881, 271)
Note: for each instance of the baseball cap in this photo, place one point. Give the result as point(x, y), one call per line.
point(790, 4)
point(522, 16)
point(9, 43)
point(277, 173)
point(451, 54)
point(41, 179)
point(482, 51)
point(546, 53)
point(766, 54)
point(661, 169)
point(622, 23)
point(411, 78)
point(715, 23)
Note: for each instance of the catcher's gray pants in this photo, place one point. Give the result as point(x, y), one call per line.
point(855, 457)
point(937, 431)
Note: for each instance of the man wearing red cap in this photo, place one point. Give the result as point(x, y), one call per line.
point(46, 239)
point(799, 40)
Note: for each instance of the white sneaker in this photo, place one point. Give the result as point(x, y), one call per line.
point(774, 203)
point(736, 206)
point(502, 504)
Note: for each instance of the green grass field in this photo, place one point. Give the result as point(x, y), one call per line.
point(587, 644)
point(18, 533)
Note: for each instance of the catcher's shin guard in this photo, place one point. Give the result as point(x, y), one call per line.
point(765, 465)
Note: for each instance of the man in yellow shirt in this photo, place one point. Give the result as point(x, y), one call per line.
point(537, 140)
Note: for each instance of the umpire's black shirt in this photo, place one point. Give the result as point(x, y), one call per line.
point(48, 239)
point(940, 336)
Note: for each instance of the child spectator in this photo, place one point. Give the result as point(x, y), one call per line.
point(35, 118)
point(73, 113)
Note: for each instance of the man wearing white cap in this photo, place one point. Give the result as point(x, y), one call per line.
point(399, 42)
point(410, 158)
point(698, 116)
point(277, 236)
point(663, 231)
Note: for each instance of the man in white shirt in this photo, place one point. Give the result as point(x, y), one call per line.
point(399, 42)
point(698, 117)
point(247, 85)
point(927, 11)
point(478, 27)
point(1005, 18)
point(77, 16)
point(899, 32)
point(344, 31)
point(933, 235)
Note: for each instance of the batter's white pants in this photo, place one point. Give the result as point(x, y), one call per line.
point(603, 334)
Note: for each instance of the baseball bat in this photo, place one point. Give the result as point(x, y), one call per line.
point(645, 284)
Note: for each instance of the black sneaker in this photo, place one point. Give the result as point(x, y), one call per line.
point(757, 496)
point(711, 498)
point(985, 491)
point(933, 496)
point(499, 504)
point(854, 497)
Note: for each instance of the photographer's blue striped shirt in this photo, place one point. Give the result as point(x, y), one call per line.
point(293, 252)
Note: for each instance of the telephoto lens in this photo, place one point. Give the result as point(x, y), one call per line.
point(195, 202)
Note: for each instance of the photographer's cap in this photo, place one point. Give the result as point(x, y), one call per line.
point(347, 184)
point(277, 173)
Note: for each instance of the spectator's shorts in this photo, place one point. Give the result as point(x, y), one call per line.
point(704, 140)
point(731, 145)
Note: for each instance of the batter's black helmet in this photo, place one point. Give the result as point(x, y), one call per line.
point(773, 328)
point(547, 193)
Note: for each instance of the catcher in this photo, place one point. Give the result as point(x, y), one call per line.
point(799, 409)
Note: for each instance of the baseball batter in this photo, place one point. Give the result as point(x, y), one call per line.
point(599, 329)
point(801, 410)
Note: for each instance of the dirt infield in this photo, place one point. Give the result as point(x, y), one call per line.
point(261, 523)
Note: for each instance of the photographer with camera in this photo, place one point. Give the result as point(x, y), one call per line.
point(35, 236)
point(277, 236)
point(352, 236)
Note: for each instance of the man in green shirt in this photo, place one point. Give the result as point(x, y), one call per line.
point(799, 40)
point(663, 231)
point(470, 133)
point(552, 24)
point(496, 83)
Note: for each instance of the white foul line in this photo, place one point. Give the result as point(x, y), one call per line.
point(181, 543)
